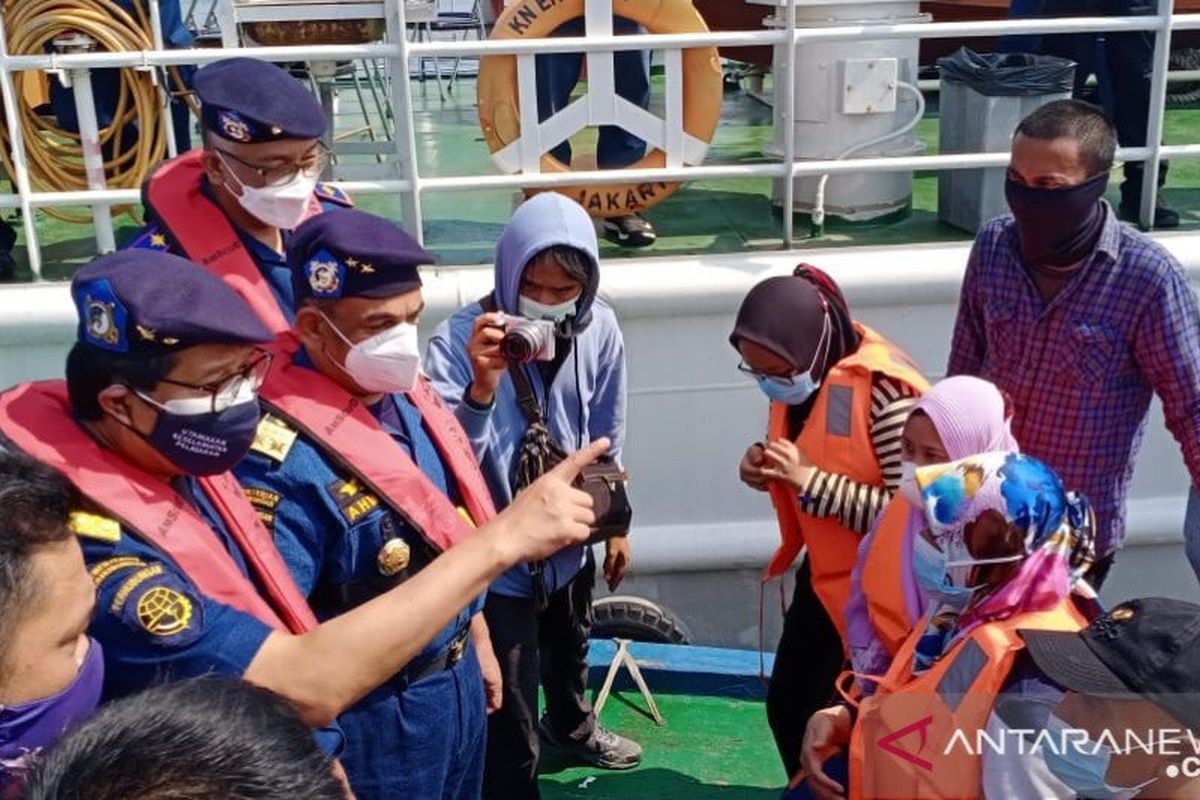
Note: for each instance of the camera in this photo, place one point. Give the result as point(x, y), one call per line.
point(527, 340)
point(604, 481)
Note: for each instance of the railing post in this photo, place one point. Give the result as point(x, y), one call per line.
point(168, 120)
point(93, 158)
point(20, 176)
point(1158, 106)
point(789, 135)
point(402, 119)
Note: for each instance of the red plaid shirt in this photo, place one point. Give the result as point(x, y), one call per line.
point(1081, 370)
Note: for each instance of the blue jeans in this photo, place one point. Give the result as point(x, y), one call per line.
point(1191, 530)
point(557, 74)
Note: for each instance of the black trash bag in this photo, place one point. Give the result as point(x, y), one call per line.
point(1008, 74)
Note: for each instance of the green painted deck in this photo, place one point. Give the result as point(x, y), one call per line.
point(703, 217)
point(710, 748)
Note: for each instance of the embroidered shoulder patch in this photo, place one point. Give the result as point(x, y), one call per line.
point(351, 500)
point(157, 603)
point(274, 438)
point(133, 582)
point(105, 569)
point(94, 526)
point(327, 191)
point(265, 502)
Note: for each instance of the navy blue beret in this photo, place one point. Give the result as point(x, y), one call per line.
point(141, 300)
point(252, 101)
point(348, 253)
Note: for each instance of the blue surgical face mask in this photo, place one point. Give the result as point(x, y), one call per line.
point(1085, 767)
point(797, 389)
point(930, 569)
point(793, 393)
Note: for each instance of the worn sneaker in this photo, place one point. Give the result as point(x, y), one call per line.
point(603, 749)
point(1164, 218)
point(630, 230)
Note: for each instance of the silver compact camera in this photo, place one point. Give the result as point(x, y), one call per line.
point(527, 340)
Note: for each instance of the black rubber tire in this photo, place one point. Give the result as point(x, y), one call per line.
point(638, 619)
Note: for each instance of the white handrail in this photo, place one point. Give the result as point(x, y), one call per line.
point(413, 184)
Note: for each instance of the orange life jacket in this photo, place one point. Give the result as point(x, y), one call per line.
point(346, 431)
point(836, 438)
point(918, 736)
point(37, 418)
point(198, 229)
point(881, 586)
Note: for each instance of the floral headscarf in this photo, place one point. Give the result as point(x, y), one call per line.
point(1056, 550)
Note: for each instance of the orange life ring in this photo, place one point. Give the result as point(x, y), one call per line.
point(500, 117)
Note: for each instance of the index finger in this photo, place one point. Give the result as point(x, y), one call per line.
point(570, 467)
point(490, 319)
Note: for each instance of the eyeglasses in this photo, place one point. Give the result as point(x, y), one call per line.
point(221, 394)
point(782, 380)
point(821, 351)
point(313, 164)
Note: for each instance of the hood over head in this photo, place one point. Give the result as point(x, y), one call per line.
point(543, 221)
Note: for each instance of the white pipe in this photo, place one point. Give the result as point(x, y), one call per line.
point(574, 44)
point(595, 177)
point(818, 212)
point(789, 137)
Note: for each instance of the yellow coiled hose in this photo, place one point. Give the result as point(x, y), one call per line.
point(55, 156)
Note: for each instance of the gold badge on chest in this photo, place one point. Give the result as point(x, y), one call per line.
point(393, 557)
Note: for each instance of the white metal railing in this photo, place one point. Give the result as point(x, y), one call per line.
point(397, 51)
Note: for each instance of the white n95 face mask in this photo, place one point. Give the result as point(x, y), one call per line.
point(387, 362)
point(282, 206)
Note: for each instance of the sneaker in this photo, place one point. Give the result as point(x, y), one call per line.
point(1164, 218)
point(603, 749)
point(631, 230)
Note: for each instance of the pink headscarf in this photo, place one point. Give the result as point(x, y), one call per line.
point(971, 416)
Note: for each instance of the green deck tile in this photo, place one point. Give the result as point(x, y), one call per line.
point(710, 748)
point(703, 217)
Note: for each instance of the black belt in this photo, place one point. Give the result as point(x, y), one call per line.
point(446, 659)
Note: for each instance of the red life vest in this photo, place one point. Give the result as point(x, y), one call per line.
point(835, 438)
point(37, 418)
point(347, 431)
point(198, 229)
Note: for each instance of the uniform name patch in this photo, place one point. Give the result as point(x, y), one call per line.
point(351, 500)
point(263, 499)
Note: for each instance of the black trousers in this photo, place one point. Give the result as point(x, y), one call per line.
point(1129, 58)
point(807, 663)
point(551, 647)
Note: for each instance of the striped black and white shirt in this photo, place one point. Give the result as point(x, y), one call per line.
point(856, 505)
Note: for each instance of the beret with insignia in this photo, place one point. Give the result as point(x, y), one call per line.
point(142, 300)
point(251, 101)
point(349, 253)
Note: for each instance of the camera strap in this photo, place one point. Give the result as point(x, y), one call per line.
point(536, 454)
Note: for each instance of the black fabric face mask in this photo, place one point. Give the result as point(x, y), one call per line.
point(1058, 227)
